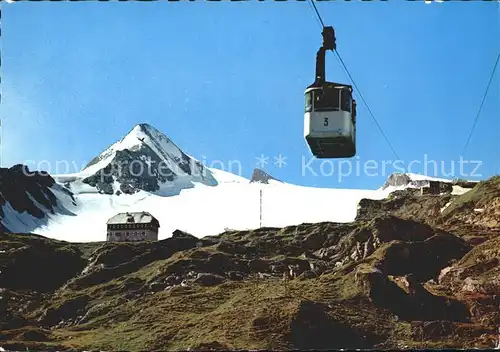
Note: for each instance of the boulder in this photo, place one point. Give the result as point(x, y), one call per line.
point(207, 279)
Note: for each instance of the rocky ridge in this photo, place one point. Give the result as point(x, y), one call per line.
point(30, 192)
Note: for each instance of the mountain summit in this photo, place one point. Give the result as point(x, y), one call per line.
point(145, 159)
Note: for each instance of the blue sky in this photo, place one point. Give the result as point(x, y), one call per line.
point(225, 82)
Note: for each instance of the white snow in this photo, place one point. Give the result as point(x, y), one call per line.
point(205, 210)
point(25, 222)
point(190, 203)
point(446, 206)
point(417, 177)
point(390, 189)
point(226, 177)
point(200, 210)
point(458, 191)
point(18, 222)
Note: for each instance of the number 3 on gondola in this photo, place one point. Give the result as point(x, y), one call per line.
point(325, 123)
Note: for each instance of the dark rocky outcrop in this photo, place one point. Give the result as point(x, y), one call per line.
point(423, 259)
point(38, 264)
point(68, 310)
point(409, 301)
point(312, 328)
point(28, 191)
point(261, 176)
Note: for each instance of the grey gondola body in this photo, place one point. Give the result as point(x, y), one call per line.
point(330, 128)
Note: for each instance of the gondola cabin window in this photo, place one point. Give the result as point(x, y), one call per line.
point(346, 100)
point(308, 104)
point(327, 99)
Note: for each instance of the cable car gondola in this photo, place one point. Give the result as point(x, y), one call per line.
point(330, 111)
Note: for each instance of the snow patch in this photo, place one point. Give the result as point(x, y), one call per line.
point(446, 206)
point(458, 190)
point(227, 177)
point(418, 177)
point(205, 210)
point(19, 222)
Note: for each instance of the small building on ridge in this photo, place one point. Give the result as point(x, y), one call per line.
point(132, 227)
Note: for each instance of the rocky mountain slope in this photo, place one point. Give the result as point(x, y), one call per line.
point(29, 198)
point(413, 271)
point(145, 159)
point(475, 214)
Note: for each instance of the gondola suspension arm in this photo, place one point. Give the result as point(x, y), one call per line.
point(329, 43)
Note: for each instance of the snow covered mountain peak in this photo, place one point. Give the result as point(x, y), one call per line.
point(142, 134)
point(138, 136)
point(145, 159)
